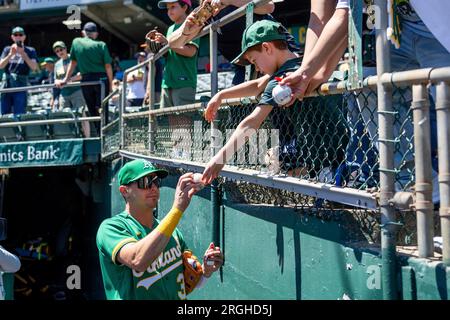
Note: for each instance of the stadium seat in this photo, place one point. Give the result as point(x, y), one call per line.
point(63, 130)
point(9, 134)
point(34, 132)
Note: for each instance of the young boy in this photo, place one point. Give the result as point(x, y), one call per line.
point(264, 45)
point(180, 73)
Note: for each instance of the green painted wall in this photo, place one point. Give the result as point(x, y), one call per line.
point(278, 253)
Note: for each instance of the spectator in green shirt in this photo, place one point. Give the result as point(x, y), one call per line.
point(180, 73)
point(71, 97)
point(93, 60)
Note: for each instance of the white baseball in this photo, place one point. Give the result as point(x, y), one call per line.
point(281, 94)
point(197, 177)
point(198, 180)
point(210, 262)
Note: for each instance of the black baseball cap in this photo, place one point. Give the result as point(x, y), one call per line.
point(90, 27)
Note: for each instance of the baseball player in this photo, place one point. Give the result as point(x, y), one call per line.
point(142, 257)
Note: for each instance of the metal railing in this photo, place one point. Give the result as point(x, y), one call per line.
point(366, 148)
point(76, 119)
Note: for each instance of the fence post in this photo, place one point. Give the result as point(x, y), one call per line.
point(422, 154)
point(123, 101)
point(215, 194)
point(151, 118)
point(443, 125)
point(105, 117)
point(386, 149)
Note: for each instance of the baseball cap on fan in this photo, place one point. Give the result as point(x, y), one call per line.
point(138, 168)
point(90, 27)
point(163, 4)
point(259, 32)
point(18, 30)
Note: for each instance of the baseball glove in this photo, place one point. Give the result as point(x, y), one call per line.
point(203, 13)
point(151, 43)
point(193, 271)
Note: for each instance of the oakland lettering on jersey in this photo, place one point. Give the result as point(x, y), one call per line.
point(164, 258)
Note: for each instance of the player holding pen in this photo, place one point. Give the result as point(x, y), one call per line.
point(142, 257)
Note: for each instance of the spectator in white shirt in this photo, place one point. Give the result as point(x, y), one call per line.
point(135, 83)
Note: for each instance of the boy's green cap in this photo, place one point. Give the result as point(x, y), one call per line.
point(136, 169)
point(259, 32)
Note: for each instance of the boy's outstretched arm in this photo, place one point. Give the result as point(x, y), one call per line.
point(247, 89)
point(243, 132)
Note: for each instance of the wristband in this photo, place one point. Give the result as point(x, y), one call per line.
point(170, 222)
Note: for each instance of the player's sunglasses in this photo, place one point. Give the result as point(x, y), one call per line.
point(18, 34)
point(147, 182)
point(59, 50)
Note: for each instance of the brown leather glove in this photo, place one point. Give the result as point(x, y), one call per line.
point(193, 271)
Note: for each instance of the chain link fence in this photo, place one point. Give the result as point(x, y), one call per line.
point(328, 139)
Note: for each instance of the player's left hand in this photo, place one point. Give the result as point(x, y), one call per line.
point(212, 260)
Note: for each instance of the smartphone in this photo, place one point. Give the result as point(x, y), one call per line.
point(19, 44)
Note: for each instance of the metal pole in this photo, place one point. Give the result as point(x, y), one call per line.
point(424, 186)
point(215, 194)
point(386, 148)
point(151, 118)
point(443, 125)
point(105, 117)
point(122, 105)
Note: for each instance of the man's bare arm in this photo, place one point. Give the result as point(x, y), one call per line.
point(321, 13)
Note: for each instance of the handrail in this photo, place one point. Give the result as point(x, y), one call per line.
point(189, 107)
point(105, 128)
point(47, 121)
point(329, 88)
point(357, 198)
point(105, 100)
point(50, 86)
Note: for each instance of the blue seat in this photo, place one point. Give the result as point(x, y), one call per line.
point(34, 132)
point(9, 134)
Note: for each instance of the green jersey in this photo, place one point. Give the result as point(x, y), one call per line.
point(61, 67)
point(90, 55)
point(180, 71)
point(162, 280)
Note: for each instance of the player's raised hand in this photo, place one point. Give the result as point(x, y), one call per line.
point(184, 191)
point(212, 107)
